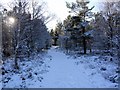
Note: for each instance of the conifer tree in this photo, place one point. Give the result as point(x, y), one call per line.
point(82, 13)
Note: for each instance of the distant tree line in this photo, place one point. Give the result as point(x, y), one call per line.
point(85, 31)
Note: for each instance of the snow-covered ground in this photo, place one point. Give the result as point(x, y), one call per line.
point(57, 70)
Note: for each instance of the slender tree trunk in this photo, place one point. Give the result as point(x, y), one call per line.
point(84, 45)
point(17, 45)
point(84, 41)
point(84, 38)
point(16, 63)
point(111, 36)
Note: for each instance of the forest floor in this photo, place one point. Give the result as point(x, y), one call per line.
point(55, 69)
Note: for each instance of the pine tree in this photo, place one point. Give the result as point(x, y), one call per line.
point(79, 22)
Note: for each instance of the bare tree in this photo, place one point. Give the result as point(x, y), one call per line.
point(39, 11)
point(111, 13)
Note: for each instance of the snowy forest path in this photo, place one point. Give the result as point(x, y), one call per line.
point(64, 73)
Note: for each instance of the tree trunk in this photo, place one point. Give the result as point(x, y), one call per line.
point(84, 40)
point(84, 45)
point(16, 63)
point(55, 41)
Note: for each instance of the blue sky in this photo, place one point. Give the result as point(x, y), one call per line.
point(58, 7)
